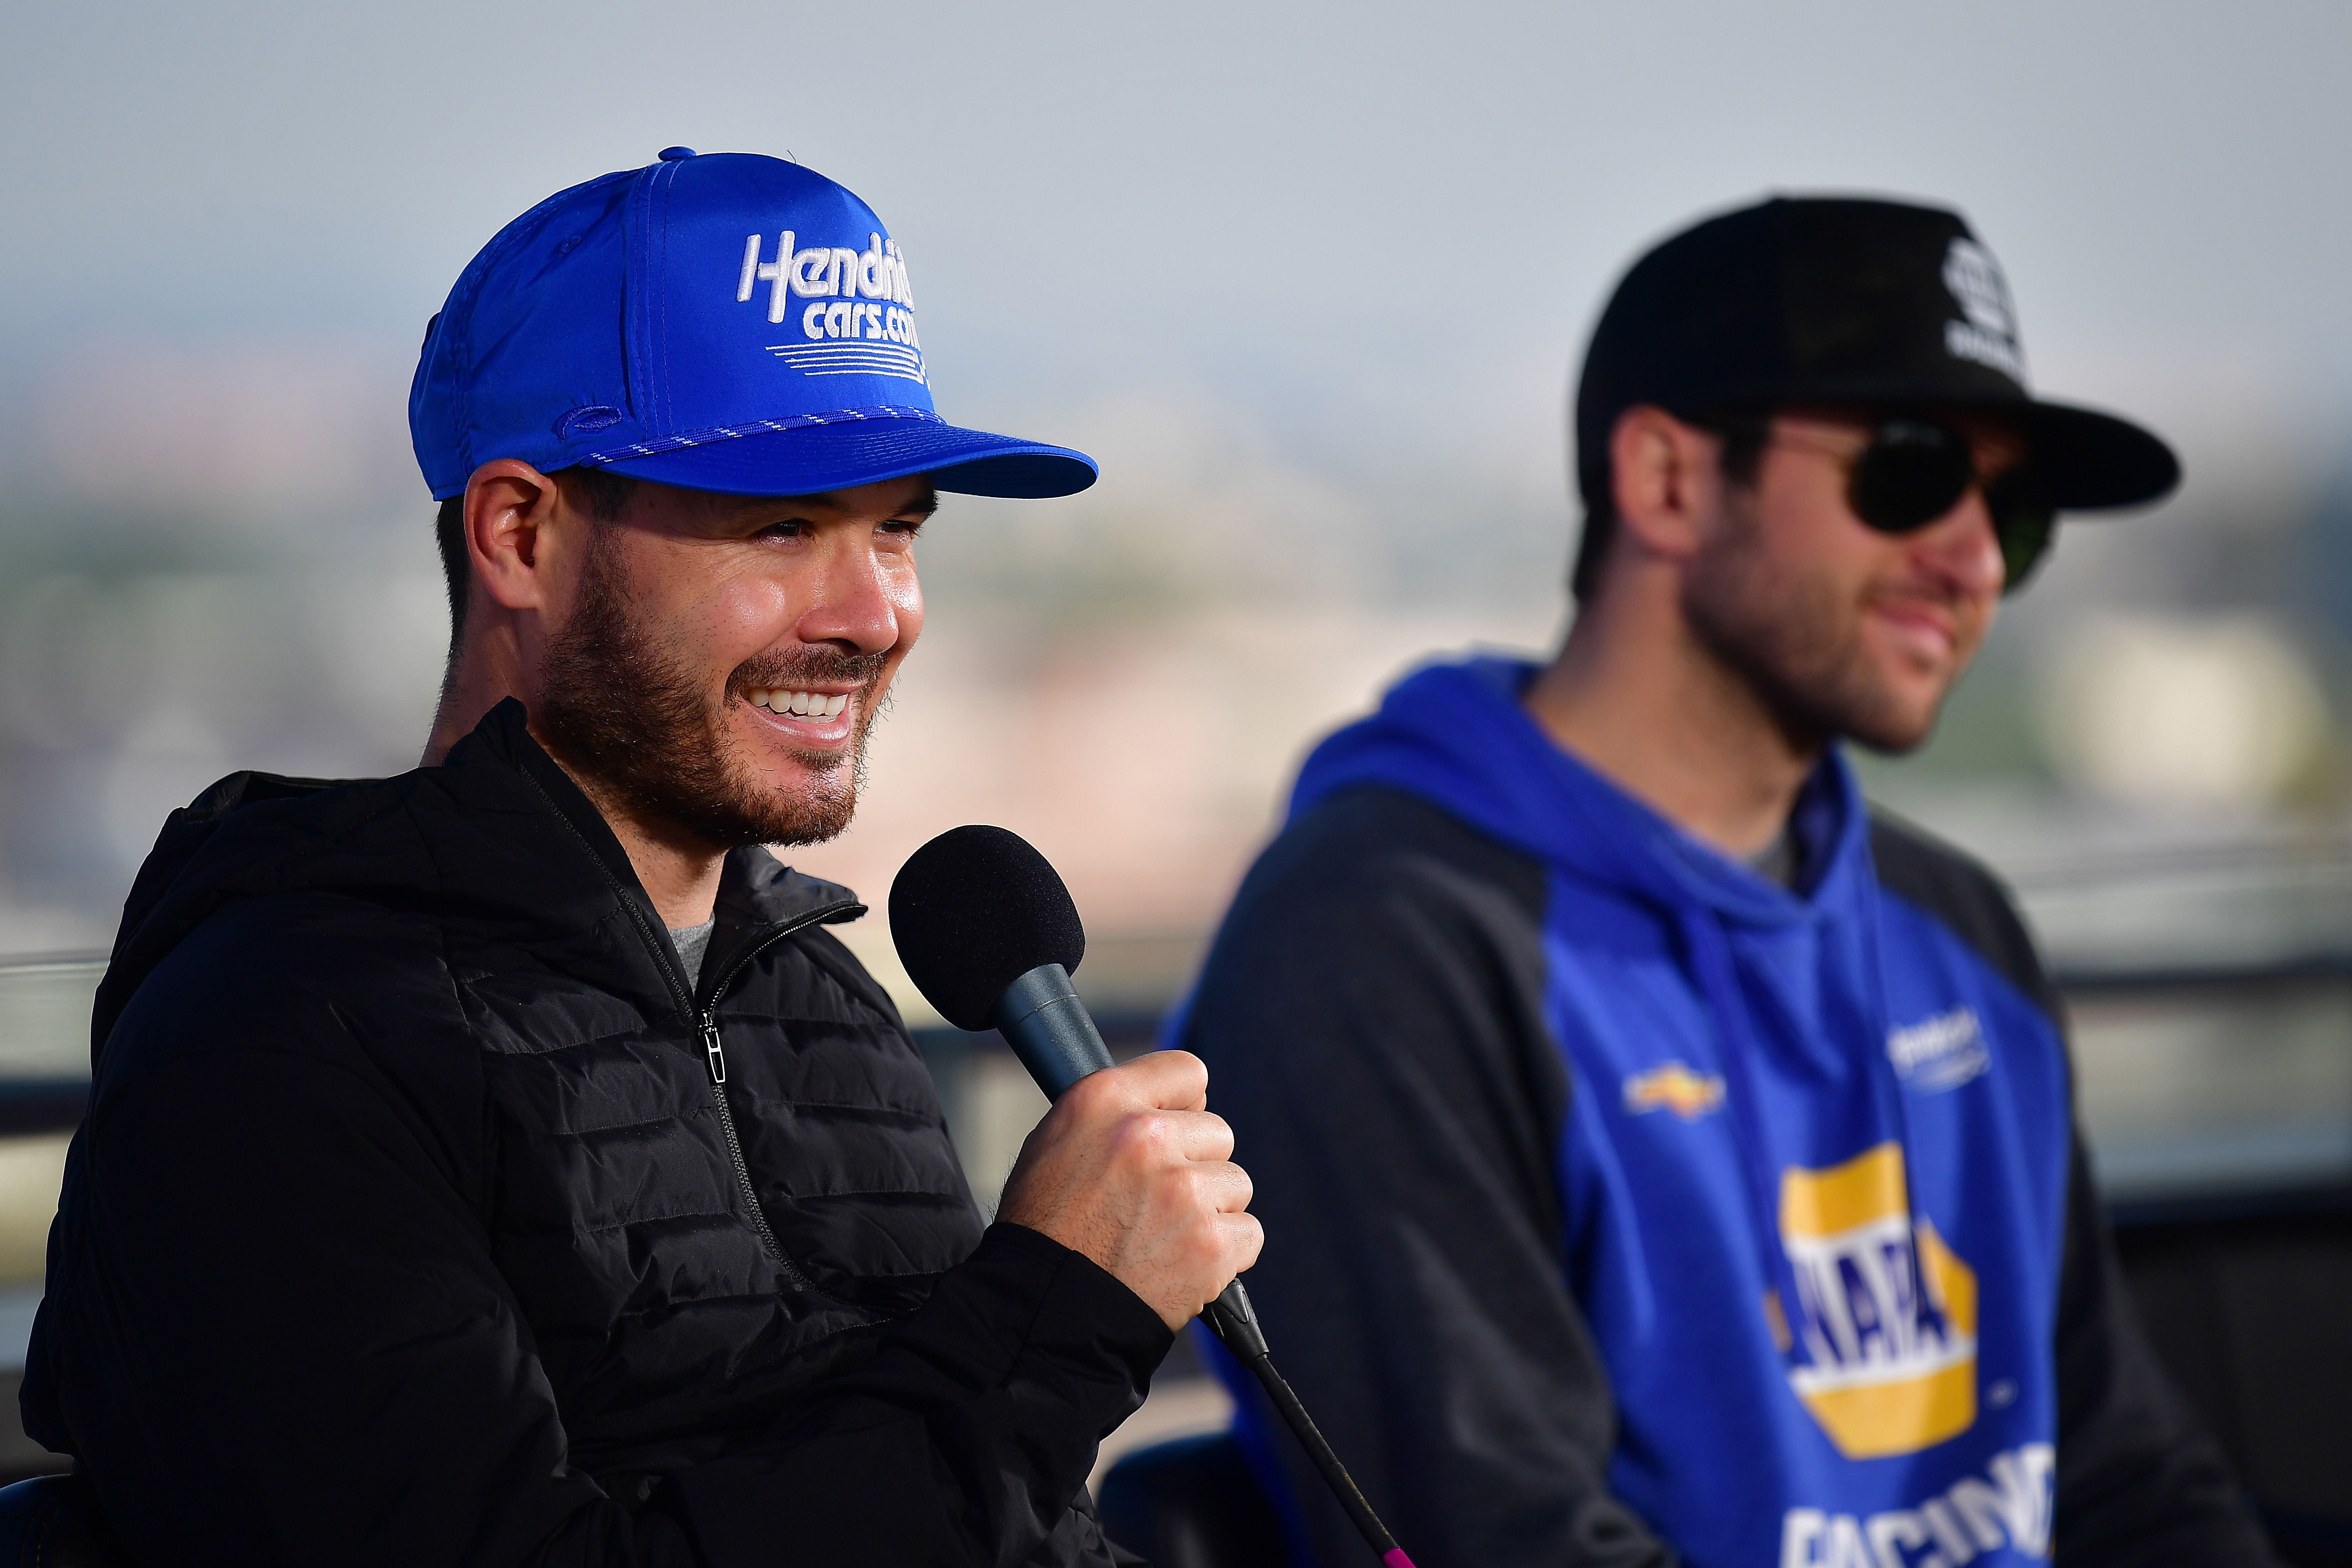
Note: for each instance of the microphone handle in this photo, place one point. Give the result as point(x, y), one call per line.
point(1048, 1027)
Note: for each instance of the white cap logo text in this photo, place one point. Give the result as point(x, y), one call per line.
point(1987, 333)
point(861, 300)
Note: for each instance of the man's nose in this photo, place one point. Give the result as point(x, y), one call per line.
point(855, 602)
point(1964, 545)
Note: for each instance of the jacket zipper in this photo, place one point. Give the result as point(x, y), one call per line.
point(706, 1020)
point(714, 1056)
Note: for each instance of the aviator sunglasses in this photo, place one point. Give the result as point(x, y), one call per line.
point(1916, 470)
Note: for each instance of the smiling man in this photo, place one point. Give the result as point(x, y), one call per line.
point(1674, 1158)
point(501, 1164)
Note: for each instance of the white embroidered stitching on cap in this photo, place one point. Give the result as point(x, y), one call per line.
point(759, 427)
point(777, 272)
point(1989, 336)
point(859, 322)
point(878, 272)
point(854, 358)
point(841, 282)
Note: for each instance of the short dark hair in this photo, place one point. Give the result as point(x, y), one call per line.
point(1744, 433)
point(603, 493)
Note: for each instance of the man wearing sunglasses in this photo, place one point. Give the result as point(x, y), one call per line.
point(1673, 1158)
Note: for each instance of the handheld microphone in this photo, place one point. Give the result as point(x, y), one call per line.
point(989, 937)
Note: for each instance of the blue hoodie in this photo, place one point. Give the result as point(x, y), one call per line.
point(1812, 1159)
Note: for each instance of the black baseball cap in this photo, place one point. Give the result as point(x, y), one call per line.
point(1842, 301)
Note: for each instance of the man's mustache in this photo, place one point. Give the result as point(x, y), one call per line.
point(808, 667)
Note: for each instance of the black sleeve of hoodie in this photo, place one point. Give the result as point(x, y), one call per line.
point(2140, 1482)
point(1371, 1014)
point(343, 1377)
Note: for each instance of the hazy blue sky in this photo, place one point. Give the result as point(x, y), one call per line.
point(1310, 278)
point(1370, 226)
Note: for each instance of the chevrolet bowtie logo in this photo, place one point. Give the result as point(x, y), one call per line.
point(1674, 1087)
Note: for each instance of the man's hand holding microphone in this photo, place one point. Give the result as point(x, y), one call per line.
point(1132, 1169)
point(1129, 1167)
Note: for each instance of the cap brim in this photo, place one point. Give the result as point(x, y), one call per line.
point(841, 457)
point(2086, 460)
point(2083, 459)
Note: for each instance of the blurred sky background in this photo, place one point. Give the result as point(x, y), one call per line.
point(1309, 280)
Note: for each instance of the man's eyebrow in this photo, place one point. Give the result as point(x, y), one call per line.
point(926, 504)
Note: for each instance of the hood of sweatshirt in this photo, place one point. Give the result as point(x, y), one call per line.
point(1456, 733)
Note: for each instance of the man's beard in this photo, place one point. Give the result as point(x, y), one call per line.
point(1797, 640)
point(630, 718)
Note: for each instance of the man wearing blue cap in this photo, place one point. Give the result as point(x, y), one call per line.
point(501, 1164)
point(1674, 1158)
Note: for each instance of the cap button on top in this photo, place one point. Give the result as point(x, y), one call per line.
point(672, 154)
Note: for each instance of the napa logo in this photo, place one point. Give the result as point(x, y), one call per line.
point(1884, 1335)
point(1672, 1086)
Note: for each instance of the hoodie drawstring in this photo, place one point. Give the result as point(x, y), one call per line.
point(1710, 952)
point(1716, 970)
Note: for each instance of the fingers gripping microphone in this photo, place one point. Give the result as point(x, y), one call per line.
point(989, 937)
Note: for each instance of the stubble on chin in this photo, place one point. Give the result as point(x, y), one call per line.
point(1797, 640)
point(634, 721)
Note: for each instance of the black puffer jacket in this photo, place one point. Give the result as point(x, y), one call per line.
point(410, 1225)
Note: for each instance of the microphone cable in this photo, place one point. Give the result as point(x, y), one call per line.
point(1233, 1319)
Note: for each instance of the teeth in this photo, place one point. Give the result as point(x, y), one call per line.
point(800, 704)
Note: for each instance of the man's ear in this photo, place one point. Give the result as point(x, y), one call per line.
point(511, 510)
point(1666, 477)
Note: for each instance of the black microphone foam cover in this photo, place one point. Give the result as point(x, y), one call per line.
point(974, 911)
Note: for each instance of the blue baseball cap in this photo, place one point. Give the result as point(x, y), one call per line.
point(727, 323)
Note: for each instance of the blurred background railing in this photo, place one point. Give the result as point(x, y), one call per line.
point(44, 1085)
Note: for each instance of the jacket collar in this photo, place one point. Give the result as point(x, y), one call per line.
point(754, 888)
point(499, 833)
